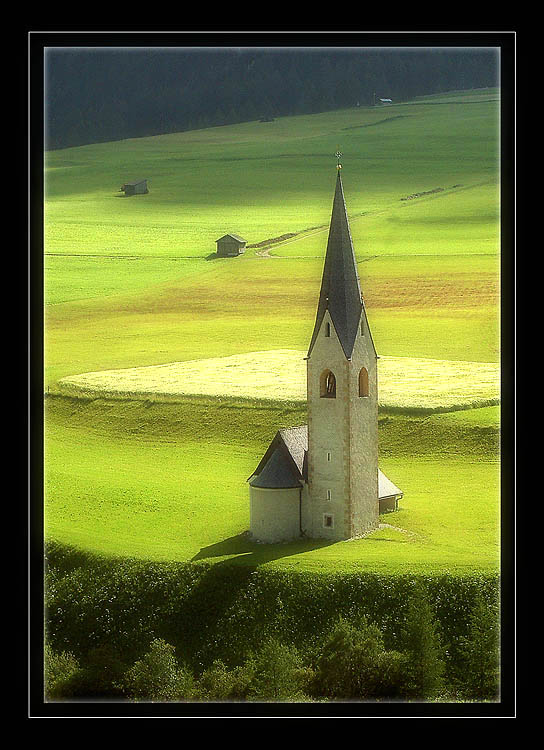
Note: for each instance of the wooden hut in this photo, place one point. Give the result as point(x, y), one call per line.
point(138, 187)
point(230, 244)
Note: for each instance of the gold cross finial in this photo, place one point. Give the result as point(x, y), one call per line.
point(338, 154)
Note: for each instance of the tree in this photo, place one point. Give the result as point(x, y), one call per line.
point(94, 95)
point(425, 667)
point(354, 664)
point(276, 673)
point(480, 652)
point(157, 676)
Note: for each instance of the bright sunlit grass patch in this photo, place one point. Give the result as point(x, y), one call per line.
point(280, 375)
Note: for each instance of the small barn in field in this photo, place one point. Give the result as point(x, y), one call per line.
point(230, 244)
point(137, 187)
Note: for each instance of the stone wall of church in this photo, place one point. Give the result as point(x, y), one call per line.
point(328, 450)
point(342, 439)
point(363, 429)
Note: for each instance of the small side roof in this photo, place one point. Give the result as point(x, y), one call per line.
point(386, 488)
point(234, 236)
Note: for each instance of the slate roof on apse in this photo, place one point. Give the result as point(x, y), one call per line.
point(283, 465)
point(278, 473)
point(296, 441)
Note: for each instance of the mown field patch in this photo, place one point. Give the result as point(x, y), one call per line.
point(280, 375)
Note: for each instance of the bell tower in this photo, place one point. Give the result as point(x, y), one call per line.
point(342, 387)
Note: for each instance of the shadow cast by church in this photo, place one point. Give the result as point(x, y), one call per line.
point(222, 573)
point(242, 550)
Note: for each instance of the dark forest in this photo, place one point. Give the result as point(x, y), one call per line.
point(107, 94)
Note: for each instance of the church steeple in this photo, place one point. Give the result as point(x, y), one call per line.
point(322, 480)
point(340, 290)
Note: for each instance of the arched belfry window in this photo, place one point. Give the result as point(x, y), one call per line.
point(363, 382)
point(327, 385)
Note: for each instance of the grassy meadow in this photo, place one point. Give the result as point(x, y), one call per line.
point(132, 283)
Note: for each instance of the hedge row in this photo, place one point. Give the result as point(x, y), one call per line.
point(225, 611)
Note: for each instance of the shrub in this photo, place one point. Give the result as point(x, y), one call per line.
point(59, 669)
point(214, 612)
point(157, 676)
point(100, 675)
point(218, 683)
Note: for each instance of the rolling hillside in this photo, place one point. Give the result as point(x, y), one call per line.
point(133, 282)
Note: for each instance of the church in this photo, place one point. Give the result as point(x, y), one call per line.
point(322, 480)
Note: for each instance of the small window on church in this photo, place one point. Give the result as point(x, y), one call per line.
point(362, 327)
point(363, 382)
point(329, 496)
point(328, 455)
point(327, 329)
point(328, 521)
point(327, 385)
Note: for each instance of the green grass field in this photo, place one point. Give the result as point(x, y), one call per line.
point(130, 283)
point(167, 482)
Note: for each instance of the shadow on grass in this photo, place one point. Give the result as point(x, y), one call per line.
point(228, 567)
point(242, 550)
point(215, 256)
point(134, 195)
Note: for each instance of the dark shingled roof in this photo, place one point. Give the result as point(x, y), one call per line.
point(340, 291)
point(278, 473)
point(136, 182)
point(234, 236)
point(284, 464)
point(296, 442)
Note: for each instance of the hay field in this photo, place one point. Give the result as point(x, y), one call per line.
point(411, 384)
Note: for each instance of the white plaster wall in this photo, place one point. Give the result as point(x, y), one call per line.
point(274, 515)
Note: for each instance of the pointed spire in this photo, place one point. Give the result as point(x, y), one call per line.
point(340, 291)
